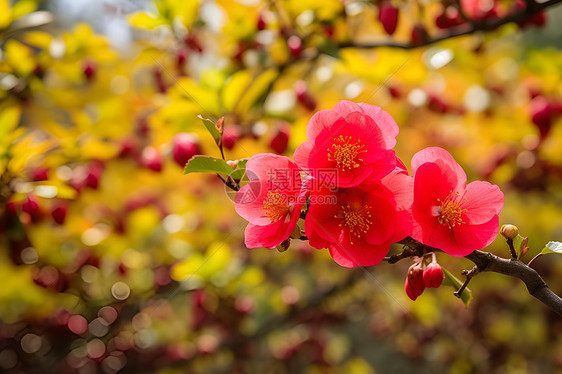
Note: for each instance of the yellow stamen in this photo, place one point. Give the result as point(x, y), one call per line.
point(345, 153)
point(275, 206)
point(450, 212)
point(356, 219)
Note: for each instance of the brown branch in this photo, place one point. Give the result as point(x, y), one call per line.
point(486, 261)
point(536, 286)
point(465, 29)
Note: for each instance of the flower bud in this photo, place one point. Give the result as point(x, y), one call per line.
point(185, 146)
point(419, 35)
point(40, 174)
point(414, 285)
point(95, 170)
point(152, 159)
point(303, 95)
point(89, 69)
point(260, 24)
point(31, 207)
point(295, 45)
point(541, 115)
point(230, 136)
point(388, 16)
point(59, 212)
point(433, 275)
point(280, 140)
point(509, 231)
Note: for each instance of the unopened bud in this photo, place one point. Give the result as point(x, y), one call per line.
point(388, 16)
point(509, 231)
point(433, 275)
point(523, 249)
point(414, 285)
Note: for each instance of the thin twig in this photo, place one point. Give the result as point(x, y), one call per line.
point(469, 274)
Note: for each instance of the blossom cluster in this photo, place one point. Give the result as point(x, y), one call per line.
point(357, 197)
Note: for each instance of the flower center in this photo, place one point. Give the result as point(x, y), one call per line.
point(355, 219)
point(275, 206)
point(345, 153)
point(450, 211)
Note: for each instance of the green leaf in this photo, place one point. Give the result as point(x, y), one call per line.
point(212, 128)
point(517, 242)
point(206, 164)
point(330, 48)
point(552, 247)
point(238, 173)
point(451, 280)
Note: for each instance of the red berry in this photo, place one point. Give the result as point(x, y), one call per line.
point(185, 146)
point(152, 159)
point(414, 285)
point(280, 140)
point(388, 16)
point(433, 275)
point(59, 212)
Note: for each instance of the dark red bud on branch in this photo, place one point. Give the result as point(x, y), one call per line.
point(414, 285)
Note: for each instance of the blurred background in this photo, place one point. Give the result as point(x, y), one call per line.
point(111, 260)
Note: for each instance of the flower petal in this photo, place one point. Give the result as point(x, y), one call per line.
point(444, 160)
point(482, 200)
point(360, 253)
point(384, 121)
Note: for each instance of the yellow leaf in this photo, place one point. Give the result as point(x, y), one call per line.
point(19, 57)
point(141, 20)
point(185, 10)
point(256, 90)
point(38, 39)
point(5, 14)
point(235, 88)
point(9, 119)
point(23, 7)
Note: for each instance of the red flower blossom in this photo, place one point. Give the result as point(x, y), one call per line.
point(358, 224)
point(354, 139)
point(449, 214)
point(272, 201)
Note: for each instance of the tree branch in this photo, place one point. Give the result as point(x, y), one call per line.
point(464, 29)
point(536, 286)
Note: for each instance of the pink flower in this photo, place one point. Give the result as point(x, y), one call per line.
point(449, 214)
point(354, 139)
point(272, 201)
point(358, 224)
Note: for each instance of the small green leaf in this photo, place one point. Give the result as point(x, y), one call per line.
point(517, 242)
point(206, 164)
point(238, 173)
point(451, 280)
point(330, 48)
point(552, 247)
point(212, 128)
